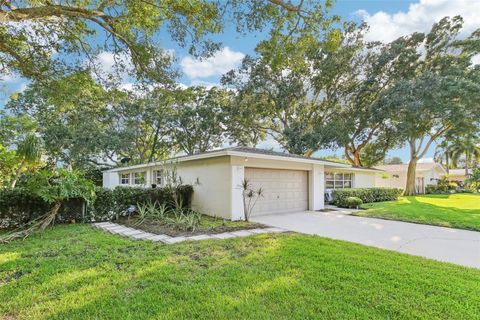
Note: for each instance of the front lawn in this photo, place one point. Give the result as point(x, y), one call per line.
point(77, 272)
point(461, 210)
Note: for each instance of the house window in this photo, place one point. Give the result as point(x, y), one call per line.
point(158, 177)
point(338, 180)
point(125, 178)
point(139, 178)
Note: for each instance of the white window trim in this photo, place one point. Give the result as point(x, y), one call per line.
point(352, 180)
point(162, 177)
point(134, 182)
point(129, 178)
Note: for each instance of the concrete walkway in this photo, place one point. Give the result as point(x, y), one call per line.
point(137, 234)
point(444, 244)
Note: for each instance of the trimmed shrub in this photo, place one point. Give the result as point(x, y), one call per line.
point(351, 202)
point(18, 206)
point(367, 195)
point(110, 204)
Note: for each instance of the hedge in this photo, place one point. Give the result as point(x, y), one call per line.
point(18, 207)
point(367, 195)
point(110, 203)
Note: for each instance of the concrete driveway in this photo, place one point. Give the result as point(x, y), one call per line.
point(444, 244)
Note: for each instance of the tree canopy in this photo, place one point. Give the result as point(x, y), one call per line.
point(43, 39)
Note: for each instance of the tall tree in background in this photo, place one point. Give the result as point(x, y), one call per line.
point(442, 95)
point(197, 122)
point(28, 153)
point(276, 90)
point(442, 154)
point(467, 146)
point(73, 116)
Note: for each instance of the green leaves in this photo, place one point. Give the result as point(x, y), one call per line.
point(59, 185)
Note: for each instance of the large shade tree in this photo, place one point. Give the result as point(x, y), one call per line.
point(442, 94)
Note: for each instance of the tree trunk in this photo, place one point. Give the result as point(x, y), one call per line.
point(411, 176)
point(356, 158)
point(467, 159)
point(51, 216)
point(447, 162)
point(17, 175)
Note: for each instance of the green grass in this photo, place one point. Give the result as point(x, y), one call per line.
point(461, 210)
point(77, 272)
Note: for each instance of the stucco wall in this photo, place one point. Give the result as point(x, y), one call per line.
point(212, 195)
point(364, 179)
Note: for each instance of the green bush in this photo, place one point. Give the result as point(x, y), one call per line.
point(351, 202)
point(110, 204)
point(18, 206)
point(442, 188)
point(367, 195)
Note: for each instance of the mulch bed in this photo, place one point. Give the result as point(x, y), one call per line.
point(155, 227)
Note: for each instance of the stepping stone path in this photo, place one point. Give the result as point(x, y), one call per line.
point(136, 234)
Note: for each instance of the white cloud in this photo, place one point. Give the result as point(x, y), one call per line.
point(107, 62)
point(221, 62)
point(420, 17)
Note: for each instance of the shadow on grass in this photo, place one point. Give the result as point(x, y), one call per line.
point(75, 272)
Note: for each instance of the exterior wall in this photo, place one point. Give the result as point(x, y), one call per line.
point(364, 179)
point(316, 181)
point(110, 180)
point(212, 196)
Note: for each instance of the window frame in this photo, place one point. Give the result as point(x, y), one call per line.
point(162, 177)
point(337, 180)
point(125, 177)
point(134, 178)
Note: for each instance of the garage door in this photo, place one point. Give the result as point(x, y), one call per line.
point(284, 190)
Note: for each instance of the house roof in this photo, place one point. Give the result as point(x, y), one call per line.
point(247, 151)
point(403, 167)
point(458, 172)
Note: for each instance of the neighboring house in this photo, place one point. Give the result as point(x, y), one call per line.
point(458, 175)
point(291, 183)
point(396, 175)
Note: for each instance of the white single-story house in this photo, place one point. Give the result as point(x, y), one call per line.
point(396, 175)
point(291, 183)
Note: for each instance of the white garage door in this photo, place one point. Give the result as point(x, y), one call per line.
point(284, 190)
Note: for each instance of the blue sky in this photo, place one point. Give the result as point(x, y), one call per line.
point(388, 19)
